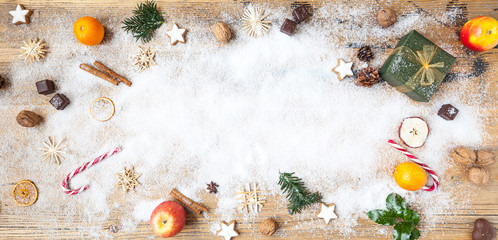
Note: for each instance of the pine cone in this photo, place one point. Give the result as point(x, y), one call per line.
point(365, 54)
point(367, 77)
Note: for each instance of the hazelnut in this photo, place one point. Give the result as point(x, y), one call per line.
point(386, 17)
point(463, 156)
point(485, 158)
point(222, 32)
point(27, 118)
point(478, 176)
point(268, 227)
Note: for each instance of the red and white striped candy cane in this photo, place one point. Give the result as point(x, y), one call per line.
point(65, 182)
point(431, 172)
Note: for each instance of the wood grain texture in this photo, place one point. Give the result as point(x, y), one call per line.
point(456, 225)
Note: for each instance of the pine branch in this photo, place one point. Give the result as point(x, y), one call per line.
point(299, 197)
point(145, 21)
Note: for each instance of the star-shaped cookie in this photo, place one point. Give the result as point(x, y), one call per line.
point(176, 34)
point(20, 15)
point(343, 69)
point(228, 230)
point(327, 212)
point(128, 179)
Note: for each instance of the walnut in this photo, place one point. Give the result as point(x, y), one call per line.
point(27, 118)
point(478, 176)
point(463, 156)
point(222, 32)
point(268, 227)
point(485, 158)
point(386, 17)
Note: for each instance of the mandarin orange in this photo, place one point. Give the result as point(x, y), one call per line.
point(88, 31)
point(410, 176)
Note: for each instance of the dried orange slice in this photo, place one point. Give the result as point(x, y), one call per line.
point(25, 193)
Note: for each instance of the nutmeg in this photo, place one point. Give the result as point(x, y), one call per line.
point(386, 17)
point(463, 156)
point(27, 118)
point(478, 176)
point(222, 32)
point(485, 158)
point(268, 227)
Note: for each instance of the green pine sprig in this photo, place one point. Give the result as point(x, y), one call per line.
point(146, 19)
point(405, 229)
point(299, 197)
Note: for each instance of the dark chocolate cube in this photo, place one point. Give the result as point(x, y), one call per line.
point(59, 101)
point(288, 27)
point(45, 87)
point(447, 112)
point(300, 14)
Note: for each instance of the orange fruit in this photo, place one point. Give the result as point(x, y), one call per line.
point(88, 31)
point(410, 176)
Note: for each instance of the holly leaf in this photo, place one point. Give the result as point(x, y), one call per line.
point(403, 231)
point(415, 234)
point(382, 216)
point(407, 215)
point(414, 219)
point(396, 204)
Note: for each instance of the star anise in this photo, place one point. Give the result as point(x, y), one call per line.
point(212, 187)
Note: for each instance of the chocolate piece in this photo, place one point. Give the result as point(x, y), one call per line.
point(447, 112)
point(300, 14)
point(45, 87)
point(288, 27)
point(59, 101)
point(483, 230)
point(2, 81)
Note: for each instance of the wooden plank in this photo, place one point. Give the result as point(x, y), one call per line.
point(456, 223)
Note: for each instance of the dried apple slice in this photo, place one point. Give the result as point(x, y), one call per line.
point(413, 131)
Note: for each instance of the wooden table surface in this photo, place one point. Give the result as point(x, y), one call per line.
point(458, 222)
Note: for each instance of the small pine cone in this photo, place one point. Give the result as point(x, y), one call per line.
point(367, 77)
point(365, 54)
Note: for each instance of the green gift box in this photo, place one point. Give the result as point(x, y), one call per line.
point(416, 67)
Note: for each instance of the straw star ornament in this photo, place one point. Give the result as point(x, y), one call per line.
point(128, 179)
point(144, 59)
point(254, 23)
point(34, 49)
point(53, 151)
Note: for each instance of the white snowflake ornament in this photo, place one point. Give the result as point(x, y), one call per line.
point(20, 15)
point(228, 230)
point(327, 212)
point(343, 69)
point(176, 34)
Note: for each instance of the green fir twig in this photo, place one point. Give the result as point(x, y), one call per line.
point(299, 197)
point(146, 19)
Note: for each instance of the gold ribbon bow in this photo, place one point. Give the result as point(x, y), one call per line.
point(428, 73)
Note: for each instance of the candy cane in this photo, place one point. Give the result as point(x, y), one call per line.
point(431, 172)
point(65, 182)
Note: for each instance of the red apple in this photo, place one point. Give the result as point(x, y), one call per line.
point(480, 34)
point(413, 131)
point(168, 219)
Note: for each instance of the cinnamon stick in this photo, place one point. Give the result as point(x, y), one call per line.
point(98, 73)
point(195, 207)
point(112, 73)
